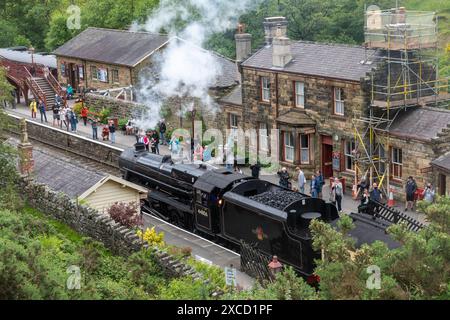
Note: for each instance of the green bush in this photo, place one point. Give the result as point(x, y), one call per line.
point(123, 123)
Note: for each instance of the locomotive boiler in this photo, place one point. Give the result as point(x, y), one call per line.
point(230, 207)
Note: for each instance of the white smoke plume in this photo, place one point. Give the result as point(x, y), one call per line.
point(184, 69)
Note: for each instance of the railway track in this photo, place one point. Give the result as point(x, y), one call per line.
point(202, 249)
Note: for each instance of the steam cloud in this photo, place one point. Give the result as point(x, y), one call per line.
point(183, 69)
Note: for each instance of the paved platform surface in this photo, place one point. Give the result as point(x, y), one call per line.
point(126, 141)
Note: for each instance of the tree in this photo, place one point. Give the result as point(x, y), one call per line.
point(418, 269)
point(58, 33)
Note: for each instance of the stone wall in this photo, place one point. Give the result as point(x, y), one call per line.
point(119, 108)
point(67, 141)
point(88, 82)
point(91, 223)
point(319, 106)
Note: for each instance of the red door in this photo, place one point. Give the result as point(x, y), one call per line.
point(327, 156)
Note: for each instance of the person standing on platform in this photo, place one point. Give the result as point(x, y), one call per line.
point(301, 180)
point(73, 120)
point(42, 111)
point(319, 183)
point(94, 124)
point(256, 169)
point(410, 190)
point(33, 108)
point(313, 188)
point(284, 177)
point(112, 131)
point(162, 132)
point(84, 114)
point(337, 190)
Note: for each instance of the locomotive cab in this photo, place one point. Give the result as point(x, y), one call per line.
point(209, 190)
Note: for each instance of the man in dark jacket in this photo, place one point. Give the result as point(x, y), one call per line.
point(162, 132)
point(375, 194)
point(319, 183)
point(112, 131)
point(256, 168)
point(410, 189)
point(42, 111)
point(284, 177)
point(155, 138)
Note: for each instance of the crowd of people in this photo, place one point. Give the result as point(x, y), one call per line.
point(364, 194)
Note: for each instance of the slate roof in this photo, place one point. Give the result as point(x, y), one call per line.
point(319, 59)
point(422, 123)
point(442, 162)
point(234, 97)
point(128, 48)
point(63, 176)
point(118, 47)
point(296, 118)
point(24, 56)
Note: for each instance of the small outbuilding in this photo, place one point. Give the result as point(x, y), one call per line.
point(111, 189)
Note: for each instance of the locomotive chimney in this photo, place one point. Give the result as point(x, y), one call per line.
point(139, 147)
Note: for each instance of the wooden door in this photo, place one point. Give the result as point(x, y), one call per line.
point(327, 156)
point(442, 184)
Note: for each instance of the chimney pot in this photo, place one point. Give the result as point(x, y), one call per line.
point(281, 52)
point(272, 26)
point(243, 46)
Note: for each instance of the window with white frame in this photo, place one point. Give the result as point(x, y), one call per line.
point(349, 155)
point(265, 89)
point(299, 94)
point(339, 101)
point(263, 136)
point(234, 125)
point(304, 149)
point(288, 147)
point(397, 163)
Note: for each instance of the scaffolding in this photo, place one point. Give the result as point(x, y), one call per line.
point(404, 45)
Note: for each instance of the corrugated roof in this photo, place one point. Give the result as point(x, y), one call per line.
point(234, 97)
point(25, 57)
point(112, 46)
point(420, 123)
point(319, 59)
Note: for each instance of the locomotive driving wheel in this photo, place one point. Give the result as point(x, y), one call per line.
point(174, 218)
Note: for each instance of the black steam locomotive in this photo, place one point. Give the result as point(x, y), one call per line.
point(230, 207)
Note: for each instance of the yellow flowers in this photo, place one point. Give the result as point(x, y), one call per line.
point(152, 237)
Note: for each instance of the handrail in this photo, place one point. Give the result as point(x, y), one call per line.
point(56, 86)
point(41, 93)
point(379, 210)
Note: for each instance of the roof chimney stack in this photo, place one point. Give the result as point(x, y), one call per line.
point(281, 50)
point(243, 44)
point(271, 26)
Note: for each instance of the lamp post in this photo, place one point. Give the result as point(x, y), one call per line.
point(33, 70)
point(193, 132)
